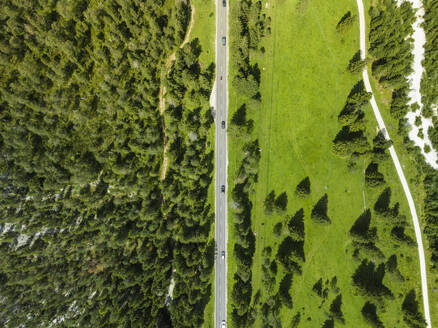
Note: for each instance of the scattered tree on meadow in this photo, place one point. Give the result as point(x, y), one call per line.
point(411, 314)
point(361, 232)
point(392, 268)
point(369, 312)
point(368, 280)
point(319, 211)
point(356, 64)
point(345, 23)
point(269, 203)
point(283, 291)
point(295, 225)
point(303, 188)
point(335, 309)
point(373, 177)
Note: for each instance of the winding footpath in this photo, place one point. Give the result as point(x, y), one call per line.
point(398, 167)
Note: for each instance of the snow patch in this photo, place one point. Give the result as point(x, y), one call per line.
point(169, 295)
point(213, 100)
point(419, 38)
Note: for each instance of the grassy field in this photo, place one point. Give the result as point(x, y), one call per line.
point(204, 29)
point(304, 87)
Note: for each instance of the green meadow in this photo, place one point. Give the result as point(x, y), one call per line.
point(304, 86)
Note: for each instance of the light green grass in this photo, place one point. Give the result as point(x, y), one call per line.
point(204, 29)
point(304, 87)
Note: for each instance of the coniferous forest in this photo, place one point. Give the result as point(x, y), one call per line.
point(91, 235)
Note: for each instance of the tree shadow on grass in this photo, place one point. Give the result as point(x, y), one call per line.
point(319, 211)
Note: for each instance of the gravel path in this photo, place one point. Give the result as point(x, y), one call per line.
point(398, 167)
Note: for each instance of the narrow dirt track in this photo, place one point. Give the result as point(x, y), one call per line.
point(162, 100)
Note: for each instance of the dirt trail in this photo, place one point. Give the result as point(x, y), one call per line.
point(162, 103)
point(171, 58)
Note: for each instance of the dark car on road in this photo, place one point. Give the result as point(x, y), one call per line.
point(224, 3)
point(224, 40)
point(223, 188)
point(223, 124)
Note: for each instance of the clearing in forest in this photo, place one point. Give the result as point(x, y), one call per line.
point(304, 87)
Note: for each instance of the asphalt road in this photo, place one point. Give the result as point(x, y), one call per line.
point(221, 108)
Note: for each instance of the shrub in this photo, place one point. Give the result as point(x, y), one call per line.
point(317, 287)
point(303, 188)
point(319, 211)
point(329, 323)
point(391, 266)
point(373, 177)
point(296, 320)
point(283, 291)
point(333, 285)
point(433, 135)
point(270, 203)
point(335, 309)
point(369, 280)
point(360, 231)
point(411, 313)
point(281, 203)
point(381, 206)
point(344, 25)
point(398, 234)
point(247, 87)
point(348, 142)
point(277, 229)
point(427, 149)
point(291, 254)
point(369, 312)
point(356, 64)
point(296, 225)
point(380, 145)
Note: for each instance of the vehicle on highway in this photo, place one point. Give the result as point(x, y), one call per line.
point(224, 40)
point(223, 124)
point(221, 77)
point(224, 3)
point(223, 188)
point(223, 254)
point(223, 324)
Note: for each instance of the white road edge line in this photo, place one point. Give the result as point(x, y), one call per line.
point(398, 167)
point(226, 165)
point(213, 103)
